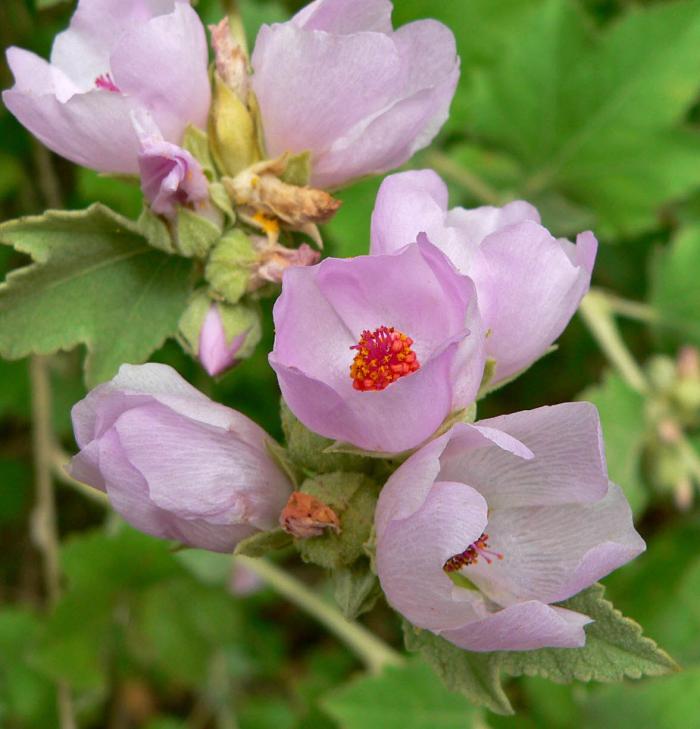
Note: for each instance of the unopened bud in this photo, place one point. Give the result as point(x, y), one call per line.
point(218, 334)
point(231, 60)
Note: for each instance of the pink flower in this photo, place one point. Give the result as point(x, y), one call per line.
point(529, 284)
point(378, 350)
point(521, 507)
point(173, 463)
point(338, 81)
point(116, 58)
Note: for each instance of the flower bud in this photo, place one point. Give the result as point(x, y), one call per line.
point(218, 334)
point(175, 464)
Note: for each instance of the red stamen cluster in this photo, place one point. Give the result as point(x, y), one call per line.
point(471, 555)
point(383, 356)
point(105, 82)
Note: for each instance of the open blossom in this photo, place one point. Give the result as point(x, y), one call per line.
point(378, 350)
point(338, 81)
point(520, 506)
point(529, 284)
point(117, 58)
point(173, 463)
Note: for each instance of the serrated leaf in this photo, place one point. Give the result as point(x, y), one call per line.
point(622, 416)
point(260, 544)
point(615, 648)
point(94, 281)
point(406, 697)
point(598, 121)
point(476, 675)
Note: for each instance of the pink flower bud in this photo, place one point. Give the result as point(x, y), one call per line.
point(175, 464)
point(216, 353)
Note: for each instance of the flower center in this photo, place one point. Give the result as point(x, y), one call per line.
point(383, 356)
point(471, 555)
point(105, 82)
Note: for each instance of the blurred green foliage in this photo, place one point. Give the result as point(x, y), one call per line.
point(589, 109)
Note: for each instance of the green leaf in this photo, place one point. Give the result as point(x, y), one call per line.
point(615, 648)
point(356, 589)
point(352, 496)
point(623, 417)
point(476, 675)
point(667, 703)
point(675, 295)
point(407, 697)
point(598, 122)
point(260, 544)
point(95, 281)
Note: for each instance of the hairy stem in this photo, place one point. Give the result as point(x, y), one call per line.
point(44, 530)
point(598, 316)
point(372, 651)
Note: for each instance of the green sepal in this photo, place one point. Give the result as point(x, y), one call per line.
point(230, 264)
point(196, 142)
point(220, 198)
point(298, 169)
point(308, 450)
point(356, 589)
point(262, 543)
point(232, 131)
point(353, 497)
point(487, 387)
point(155, 230)
point(195, 233)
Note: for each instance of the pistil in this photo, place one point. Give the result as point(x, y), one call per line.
point(383, 356)
point(471, 555)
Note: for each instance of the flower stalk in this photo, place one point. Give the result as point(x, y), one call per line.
point(372, 651)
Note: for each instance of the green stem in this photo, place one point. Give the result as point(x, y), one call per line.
point(44, 528)
point(373, 652)
point(629, 309)
point(461, 176)
point(598, 316)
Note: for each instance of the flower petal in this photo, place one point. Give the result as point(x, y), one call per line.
point(554, 552)
point(520, 627)
point(92, 129)
point(194, 470)
point(412, 551)
point(544, 290)
point(568, 464)
point(342, 17)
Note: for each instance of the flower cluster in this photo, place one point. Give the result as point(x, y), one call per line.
point(484, 526)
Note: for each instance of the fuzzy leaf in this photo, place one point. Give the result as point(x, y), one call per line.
point(94, 281)
point(260, 544)
point(476, 675)
point(406, 697)
point(615, 648)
